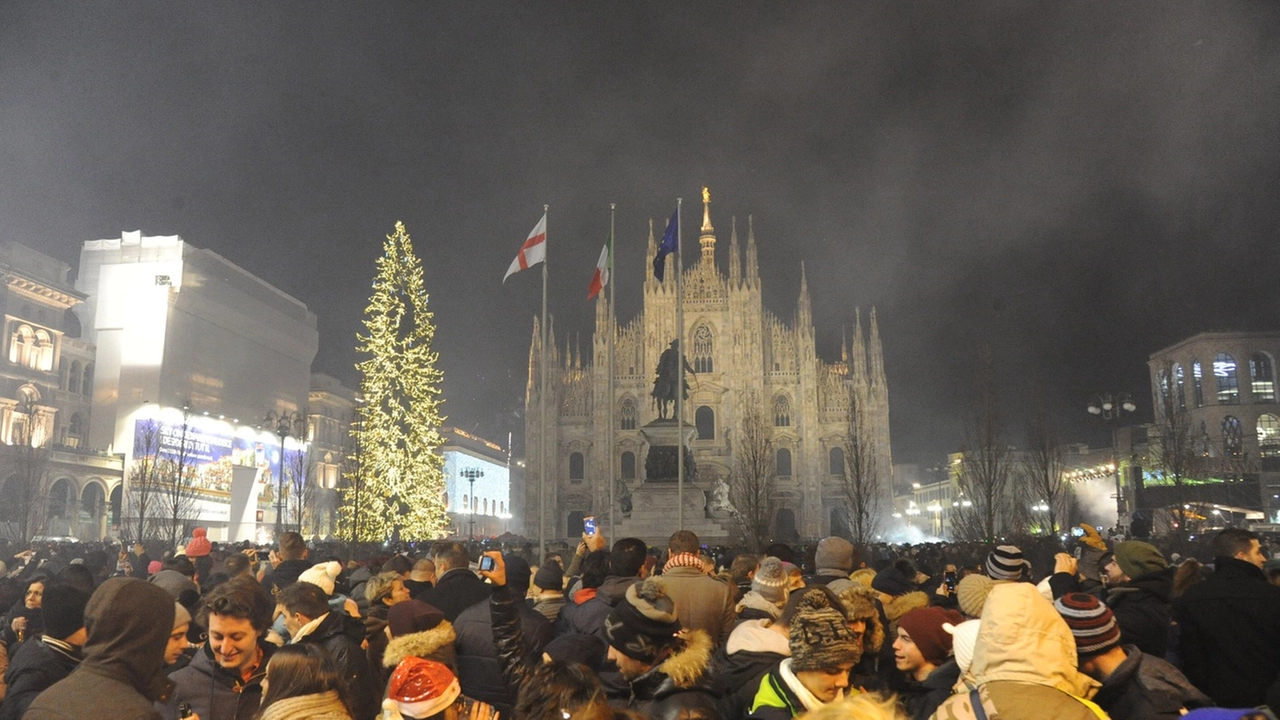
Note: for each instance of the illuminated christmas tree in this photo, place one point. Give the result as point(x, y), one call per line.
point(399, 481)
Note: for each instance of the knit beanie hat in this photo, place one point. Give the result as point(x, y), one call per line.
point(518, 573)
point(1137, 558)
point(421, 688)
point(154, 567)
point(199, 545)
point(412, 616)
point(181, 616)
point(891, 581)
point(924, 625)
point(972, 592)
point(1091, 623)
point(964, 638)
point(1006, 563)
point(820, 636)
point(577, 649)
point(63, 610)
point(644, 622)
point(322, 575)
point(550, 577)
point(834, 553)
point(770, 581)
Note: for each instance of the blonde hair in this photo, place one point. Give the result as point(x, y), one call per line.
point(864, 706)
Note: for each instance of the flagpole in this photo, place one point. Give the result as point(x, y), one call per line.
point(612, 332)
point(679, 372)
point(542, 470)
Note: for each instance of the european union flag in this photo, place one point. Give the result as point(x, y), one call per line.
point(670, 244)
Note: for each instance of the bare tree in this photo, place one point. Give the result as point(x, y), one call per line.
point(350, 490)
point(144, 476)
point(300, 482)
point(26, 465)
point(1176, 453)
point(983, 473)
point(1044, 468)
point(753, 478)
point(861, 480)
point(177, 478)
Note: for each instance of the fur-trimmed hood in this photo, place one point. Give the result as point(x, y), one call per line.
point(860, 604)
point(901, 605)
point(688, 666)
point(430, 644)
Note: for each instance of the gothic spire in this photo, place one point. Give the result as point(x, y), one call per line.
point(859, 350)
point(535, 347)
point(735, 259)
point(753, 267)
point(650, 254)
point(876, 353)
point(708, 238)
point(804, 310)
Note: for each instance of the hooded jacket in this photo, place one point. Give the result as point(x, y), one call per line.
point(342, 636)
point(434, 644)
point(1147, 688)
point(215, 693)
point(1143, 611)
point(1230, 633)
point(587, 618)
point(1024, 663)
point(128, 622)
point(680, 687)
point(739, 664)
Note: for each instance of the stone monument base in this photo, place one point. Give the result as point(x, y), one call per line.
point(655, 515)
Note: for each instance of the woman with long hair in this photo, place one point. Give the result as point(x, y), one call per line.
point(303, 682)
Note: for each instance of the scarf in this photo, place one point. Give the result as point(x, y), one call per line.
point(683, 560)
point(810, 701)
point(320, 706)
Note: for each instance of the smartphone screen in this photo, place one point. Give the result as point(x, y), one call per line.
point(950, 579)
point(487, 563)
point(589, 524)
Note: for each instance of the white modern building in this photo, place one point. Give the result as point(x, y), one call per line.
point(200, 347)
point(477, 484)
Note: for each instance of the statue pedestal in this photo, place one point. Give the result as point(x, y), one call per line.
point(656, 502)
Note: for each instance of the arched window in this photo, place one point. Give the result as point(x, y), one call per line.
point(705, 420)
point(836, 460)
point(1268, 435)
point(77, 375)
point(781, 411)
point(702, 347)
point(466, 501)
point(445, 499)
point(42, 357)
point(1232, 440)
point(20, 345)
point(576, 527)
point(628, 465)
point(59, 497)
point(577, 466)
point(1197, 382)
point(1224, 371)
point(75, 430)
point(1180, 387)
point(486, 507)
point(1263, 376)
point(87, 387)
point(783, 464)
point(628, 413)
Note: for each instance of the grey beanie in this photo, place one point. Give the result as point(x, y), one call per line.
point(834, 553)
point(770, 581)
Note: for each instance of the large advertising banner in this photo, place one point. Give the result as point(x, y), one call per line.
point(211, 451)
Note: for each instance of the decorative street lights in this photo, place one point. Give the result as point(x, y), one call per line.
point(1110, 408)
point(472, 474)
point(287, 423)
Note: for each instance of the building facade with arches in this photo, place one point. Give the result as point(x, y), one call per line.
point(1225, 382)
point(741, 353)
point(48, 473)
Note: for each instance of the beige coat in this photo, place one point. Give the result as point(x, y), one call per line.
point(702, 602)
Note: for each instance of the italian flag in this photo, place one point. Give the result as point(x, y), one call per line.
point(601, 278)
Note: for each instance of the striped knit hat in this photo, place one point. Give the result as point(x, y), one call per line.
point(1006, 563)
point(1091, 623)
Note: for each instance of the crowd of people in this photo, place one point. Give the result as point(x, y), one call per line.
point(213, 631)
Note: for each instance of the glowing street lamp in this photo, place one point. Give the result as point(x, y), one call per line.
point(1111, 408)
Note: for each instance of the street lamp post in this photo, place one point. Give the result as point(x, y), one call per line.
point(286, 424)
point(472, 474)
point(1110, 408)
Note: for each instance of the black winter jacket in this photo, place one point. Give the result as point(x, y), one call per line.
point(1143, 611)
point(283, 575)
point(588, 618)
point(1147, 688)
point(35, 668)
point(342, 636)
point(679, 688)
point(214, 693)
point(923, 698)
point(454, 592)
point(1230, 633)
point(480, 670)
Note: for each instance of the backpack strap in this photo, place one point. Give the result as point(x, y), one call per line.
point(975, 700)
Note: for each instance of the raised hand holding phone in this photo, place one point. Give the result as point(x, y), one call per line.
point(493, 568)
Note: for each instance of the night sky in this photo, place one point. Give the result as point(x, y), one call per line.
point(1074, 185)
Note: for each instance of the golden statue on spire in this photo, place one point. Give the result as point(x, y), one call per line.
point(706, 195)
